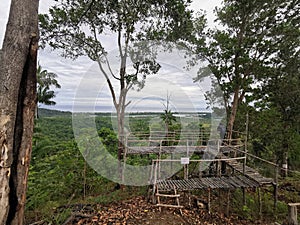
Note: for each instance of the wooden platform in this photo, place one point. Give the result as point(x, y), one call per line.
point(232, 182)
point(249, 172)
point(243, 176)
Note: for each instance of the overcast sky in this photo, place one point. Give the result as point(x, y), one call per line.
point(91, 93)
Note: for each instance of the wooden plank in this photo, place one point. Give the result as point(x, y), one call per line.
point(168, 196)
point(208, 182)
point(171, 206)
point(294, 204)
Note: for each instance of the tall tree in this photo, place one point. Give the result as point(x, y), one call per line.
point(279, 91)
point(17, 103)
point(239, 52)
point(45, 80)
point(78, 28)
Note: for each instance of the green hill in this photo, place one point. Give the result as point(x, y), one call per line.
point(53, 113)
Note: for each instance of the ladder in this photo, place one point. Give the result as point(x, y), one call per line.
point(174, 196)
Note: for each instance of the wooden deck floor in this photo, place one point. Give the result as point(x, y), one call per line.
point(250, 178)
point(249, 172)
point(232, 182)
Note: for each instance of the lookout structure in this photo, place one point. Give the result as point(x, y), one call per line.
point(200, 163)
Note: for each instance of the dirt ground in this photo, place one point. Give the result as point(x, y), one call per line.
point(138, 211)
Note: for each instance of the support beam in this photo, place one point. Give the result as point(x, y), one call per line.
point(228, 202)
point(276, 189)
point(208, 200)
point(259, 203)
point(244, 195)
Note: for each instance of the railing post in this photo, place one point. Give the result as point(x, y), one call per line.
point(208, 201)
point(244, 166)
point(159, 158)
point(154, 179)
point(244, 190)
point(292, 217)
point(276, 188)
point(246, 137)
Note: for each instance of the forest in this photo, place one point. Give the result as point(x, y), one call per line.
point(61, 183)
point(250, 55)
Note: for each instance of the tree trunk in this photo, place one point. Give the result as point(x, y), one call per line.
point(120, 116)
point(17, 104)
point(233, 114)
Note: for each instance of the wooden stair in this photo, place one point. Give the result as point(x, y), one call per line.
point(174, 196)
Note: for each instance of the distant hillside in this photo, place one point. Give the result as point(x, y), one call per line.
point(52, 113)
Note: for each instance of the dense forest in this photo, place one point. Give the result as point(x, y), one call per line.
point(61, 182)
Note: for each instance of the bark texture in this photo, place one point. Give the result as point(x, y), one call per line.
point(233, 112)
point(17, 106)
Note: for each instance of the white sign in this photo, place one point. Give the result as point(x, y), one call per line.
point(185, 161)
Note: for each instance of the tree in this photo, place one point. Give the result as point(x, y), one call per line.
point(240, 52)
point(78, 27)
point(17, 103)
point(279, 90)
point(254, 58)
point(168, 116)
point(45, 80)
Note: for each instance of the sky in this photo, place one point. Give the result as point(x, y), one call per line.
point(84, 89)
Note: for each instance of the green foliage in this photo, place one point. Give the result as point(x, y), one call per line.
point(103, 121)
point(79, 28)
point(54, 178)
point(258, 40)
point(168, 117)
point(139, 125)
point(53, 113)
point(58, 173)
point(135, 20)
point(109, 139)
point(254, 60)
point(132, 23)
point(46, 80)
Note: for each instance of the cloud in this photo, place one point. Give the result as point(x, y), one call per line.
point(208, 6)
point(93, 92)
point(84, 85)
point(4, 11)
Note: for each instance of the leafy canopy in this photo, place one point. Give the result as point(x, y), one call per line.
point(83, 27)
point(78, 27)
point(46, 80)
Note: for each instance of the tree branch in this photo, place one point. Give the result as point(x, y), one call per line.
point(109, 84)
point(109, 68)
